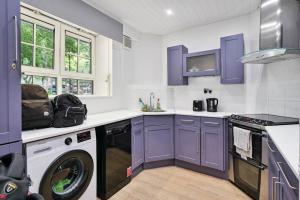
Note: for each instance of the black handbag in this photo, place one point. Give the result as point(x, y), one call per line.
point(68, 111)
point(37, 109)
point(14, 184)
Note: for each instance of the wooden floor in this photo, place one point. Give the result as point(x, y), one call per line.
point(174, 183)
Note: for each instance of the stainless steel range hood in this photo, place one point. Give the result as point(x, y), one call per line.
point(279, 32)
point(270, 56)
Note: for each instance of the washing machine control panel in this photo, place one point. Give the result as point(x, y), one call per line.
point(81, 137)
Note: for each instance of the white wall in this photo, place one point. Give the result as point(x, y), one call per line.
point(99, 104)
point(144, 70)
point(236, 98)
point(273, 88)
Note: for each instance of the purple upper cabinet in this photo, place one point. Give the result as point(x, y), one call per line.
point(10, 72)
point(175, 73)
point(205, 63)
point(187, 139)
point(232, 49)
point(213, 143)
point(159, 138)
point(137, 136)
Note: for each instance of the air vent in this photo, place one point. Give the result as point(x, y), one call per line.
point(127, 42)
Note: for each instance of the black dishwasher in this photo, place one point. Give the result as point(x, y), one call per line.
point(113, 158)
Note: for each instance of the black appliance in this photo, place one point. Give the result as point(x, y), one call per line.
point(198, 105)
point(212, 104)
point(251, 174)
point(113, 158)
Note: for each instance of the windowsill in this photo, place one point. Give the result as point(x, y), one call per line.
point(86, 97)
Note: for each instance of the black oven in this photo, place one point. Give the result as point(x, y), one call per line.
point(251, 174)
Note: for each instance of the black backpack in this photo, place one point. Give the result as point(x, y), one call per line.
point(68, 111)
point(37, 109)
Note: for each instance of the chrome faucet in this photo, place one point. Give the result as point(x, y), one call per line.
point(152, 96)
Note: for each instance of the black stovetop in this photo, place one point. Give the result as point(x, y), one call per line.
point(265, 119)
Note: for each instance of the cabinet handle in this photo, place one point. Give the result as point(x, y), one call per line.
point(272, 150)
point(198, 143)
point(275, 193)
point(187, 121)
point(290, 186)
point(15, 61)
point(212, 123)
point(137, 123)
point(274, 188)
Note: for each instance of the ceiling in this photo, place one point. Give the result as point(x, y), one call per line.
point(149, 16)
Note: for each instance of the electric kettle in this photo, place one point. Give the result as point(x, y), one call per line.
point(212, 104)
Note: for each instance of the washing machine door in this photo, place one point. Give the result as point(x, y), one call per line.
point(68, 177)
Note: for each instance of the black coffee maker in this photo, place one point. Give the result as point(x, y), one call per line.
point(212, 104)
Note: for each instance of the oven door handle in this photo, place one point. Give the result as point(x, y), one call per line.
point(261, 167)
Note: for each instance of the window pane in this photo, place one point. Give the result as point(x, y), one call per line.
point(71, 45)
point(44, 58)
point(85, 49)
point(84, 66)
point(69, 86)
point(71, 63)
point(85, 87)
point(26, 54)
point(49, 83)
point(26, 79)
point(26, 32)
point(44, 37)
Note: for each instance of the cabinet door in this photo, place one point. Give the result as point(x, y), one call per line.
point(205, 63)
point(187, 144)
point(159, 143)
point(289, 183)
point(232, 49)
point(212, 143)
point(10, 73)
point(137, 133)
point(175, 71)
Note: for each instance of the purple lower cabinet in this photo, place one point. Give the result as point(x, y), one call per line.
point(137, 136)
point(159, 139)
point(288, 184)
point(187, 144)
point(213, 143)
point(232, 49)
point(10, 73)
point(11, 148)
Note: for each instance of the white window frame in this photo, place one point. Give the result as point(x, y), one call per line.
point(81, 36)
point(60, 28)
point(36, 19)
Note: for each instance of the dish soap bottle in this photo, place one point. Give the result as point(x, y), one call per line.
point(158, 107)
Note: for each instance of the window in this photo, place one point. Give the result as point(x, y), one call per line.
point(49, 83)
point(62, 57)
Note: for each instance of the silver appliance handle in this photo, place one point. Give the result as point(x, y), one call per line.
point(42, 150)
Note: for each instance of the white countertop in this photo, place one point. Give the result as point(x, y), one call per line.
point(107, 118)
point(286, 139)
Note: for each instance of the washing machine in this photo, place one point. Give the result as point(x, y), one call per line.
point(64, 167)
